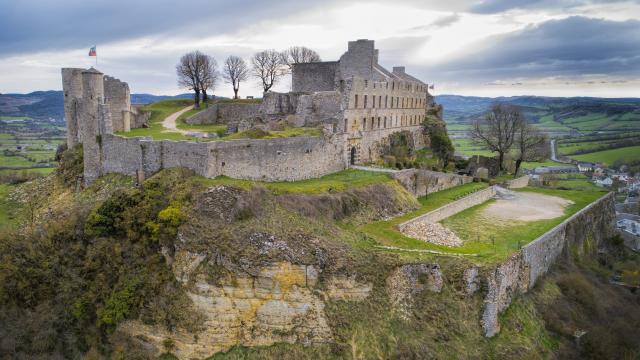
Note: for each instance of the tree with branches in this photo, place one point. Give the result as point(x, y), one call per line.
point(196, 71)
point(298, 55)
point(267, 67)
point(234, 71)
point(497, 130)
point(209, 74)
point(530, 143)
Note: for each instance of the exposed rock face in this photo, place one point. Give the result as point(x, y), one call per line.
point(408, 281)
point(471, 277)
point(278, 304)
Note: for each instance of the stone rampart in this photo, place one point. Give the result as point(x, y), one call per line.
point(584, 232)
point(452, 208)
point(421, 182)
point(522, 181)
point(284, 159)
point(222, 113)
point(310, 77)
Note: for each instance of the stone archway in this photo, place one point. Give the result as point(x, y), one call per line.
point(352, 158)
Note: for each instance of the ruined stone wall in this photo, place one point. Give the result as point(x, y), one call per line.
point(453, 208)
point(139, 117)
point(358, 60)
point(117, 95)
point(421, 182)
point(583, 233)
point(223, 113)
point(522, 181)
point(311, 77)
point(285, 159)
point(72, 89)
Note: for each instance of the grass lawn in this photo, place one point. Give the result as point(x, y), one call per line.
point(159, 111)
point(534, 164)
point(336, 182)
point(468, 223)
point(609, 157)
point(385, 232)
point(468, 148)
point(495, 240)
point(15, 161)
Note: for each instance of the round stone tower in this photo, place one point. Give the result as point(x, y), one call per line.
point(72, 89)
point(91, 122)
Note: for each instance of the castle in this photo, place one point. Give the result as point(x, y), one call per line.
point(356, 102)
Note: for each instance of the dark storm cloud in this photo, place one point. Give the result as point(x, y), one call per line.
point(571, 46)
point(31, 25)
point(497, 6)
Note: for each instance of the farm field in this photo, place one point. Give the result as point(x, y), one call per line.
point(611, 157)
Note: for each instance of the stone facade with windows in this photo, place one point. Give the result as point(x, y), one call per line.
point(356, 102)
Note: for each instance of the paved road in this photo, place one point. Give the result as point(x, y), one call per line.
point(169, 122)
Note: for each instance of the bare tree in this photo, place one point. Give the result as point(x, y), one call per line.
point(267, 66)
point(208, 74)
point(497, 130)
point(530, 142)
point(234, 71)
point(196, 71)
point(297, 55)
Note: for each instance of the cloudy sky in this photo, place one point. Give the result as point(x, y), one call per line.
point(475, 47)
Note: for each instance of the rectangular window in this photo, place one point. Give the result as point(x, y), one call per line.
point(385, 122)
point(364, 124)
point(385, 101)
point(346, 124)
point(397, 101)
point(393, 86)
point(372, 125)
point(378, 122)
point(373, 101)
point(366, 84)
point(356, 102)
point(380, 101)
point(365, 101)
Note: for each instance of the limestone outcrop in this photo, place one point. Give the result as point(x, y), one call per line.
point(282, 302)
point(408, 281)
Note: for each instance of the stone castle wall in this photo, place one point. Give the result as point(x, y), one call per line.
point(222, 113)
point(311, 77)
point(584, 232)
point(118, 96)
point(284, 159)
point(420, 182)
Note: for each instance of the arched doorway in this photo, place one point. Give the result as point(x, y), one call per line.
point(353, 156)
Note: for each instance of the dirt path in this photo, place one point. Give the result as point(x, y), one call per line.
point(169, 123)
point(525, 206)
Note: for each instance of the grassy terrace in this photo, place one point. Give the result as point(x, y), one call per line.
point(385, 232)
point(610, 157)
point(494, 240)
point(161, 109)
point(335, 182)
point(485, 241)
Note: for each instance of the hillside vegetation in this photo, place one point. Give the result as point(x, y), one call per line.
point(76, 265)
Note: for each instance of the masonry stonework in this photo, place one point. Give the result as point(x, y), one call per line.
point(358, 104)
point(584, 232)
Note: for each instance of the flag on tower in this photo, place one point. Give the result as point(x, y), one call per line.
point(92, 51)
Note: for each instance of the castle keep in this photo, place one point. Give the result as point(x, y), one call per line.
point(356, 102)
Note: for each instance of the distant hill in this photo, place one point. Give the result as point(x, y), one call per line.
point(44, 105)
point(552, 114)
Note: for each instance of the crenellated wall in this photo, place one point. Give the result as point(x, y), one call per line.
point(583, 233)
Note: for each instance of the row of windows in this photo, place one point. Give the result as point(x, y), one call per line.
point(407, 86)
point(384, 122)
point(376, 101)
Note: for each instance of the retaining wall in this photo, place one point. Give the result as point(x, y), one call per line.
point(421, 182)
point(285, 159)
point(224, 112)
point(522, 181)
point(584, 232)
point(453, 208)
